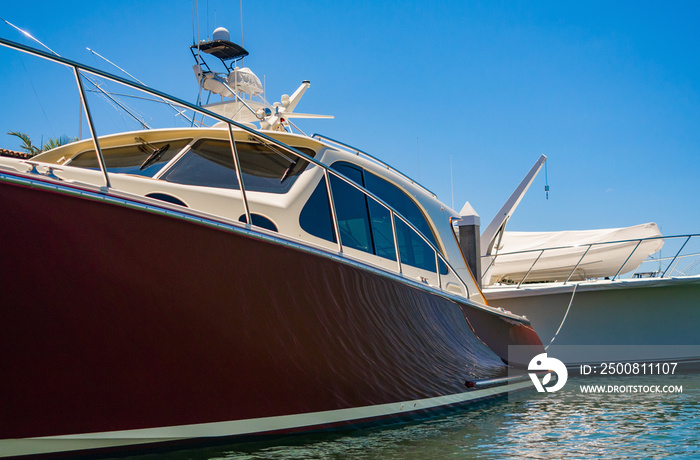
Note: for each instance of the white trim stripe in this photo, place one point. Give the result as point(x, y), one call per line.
point(74, 442)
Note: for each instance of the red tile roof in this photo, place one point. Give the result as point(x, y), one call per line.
point(14, 154)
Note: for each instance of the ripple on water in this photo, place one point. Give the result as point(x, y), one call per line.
point(567, 424)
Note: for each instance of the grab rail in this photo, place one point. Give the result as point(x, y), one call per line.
point(674, 261)
point(359, 152)
point(78, 69)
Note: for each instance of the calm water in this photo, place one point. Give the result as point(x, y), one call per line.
point(567, 424)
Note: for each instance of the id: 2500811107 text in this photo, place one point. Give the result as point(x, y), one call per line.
point(629, 369)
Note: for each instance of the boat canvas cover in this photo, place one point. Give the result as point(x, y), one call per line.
point(565, 249)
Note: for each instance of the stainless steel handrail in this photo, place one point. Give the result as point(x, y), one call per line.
point(673, 260)
point(93, 133)
point(579, 263)
point(359, 152)
point(626, 260)
point(78, 68)
point(531, 267)
point(239, 176)
point(679, 251)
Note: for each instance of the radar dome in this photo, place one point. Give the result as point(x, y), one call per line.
point(221, 33)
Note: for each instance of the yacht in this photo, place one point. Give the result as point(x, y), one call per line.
point(229, 279)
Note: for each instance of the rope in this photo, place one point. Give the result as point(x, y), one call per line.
point(565, 315)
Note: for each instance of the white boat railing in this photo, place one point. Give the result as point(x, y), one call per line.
point(670, 269)
point(80, 69)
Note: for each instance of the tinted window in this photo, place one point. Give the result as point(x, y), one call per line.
point(376, 231)
point(210, 164)
point(259, 221)
point(382, 233)
point(413, 250)
point(398, 200)
point(365, 224)
point(353, 218)
point(315, 217)
point(128, 159)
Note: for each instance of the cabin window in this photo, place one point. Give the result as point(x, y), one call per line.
point(259, 221)
point(360, 218)
point(413, 250)
point(316, 217)
point(382, 233)
point(209, 163)
point(127, 159)
point(351, 209)
point(364, 224)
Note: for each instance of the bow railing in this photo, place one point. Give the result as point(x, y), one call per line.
point(685, 260)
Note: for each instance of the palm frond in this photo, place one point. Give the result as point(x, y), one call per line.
point(57, 142)
point(27, 145)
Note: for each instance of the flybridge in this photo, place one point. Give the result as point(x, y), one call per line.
point(245, 93)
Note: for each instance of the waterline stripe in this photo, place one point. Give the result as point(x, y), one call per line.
point(64, 443)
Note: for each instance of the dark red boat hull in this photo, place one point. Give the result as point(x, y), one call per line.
point(115, 317)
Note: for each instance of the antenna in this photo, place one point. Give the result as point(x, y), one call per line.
point(242, 60)
point(28, 35)
point(139, 81)
point(97, 87)
point(418, 155)
point(193, 36)
point(452, 183)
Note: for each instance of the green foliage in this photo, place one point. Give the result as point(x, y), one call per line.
point(52, 143)
point(57, 142)
point(27, 145)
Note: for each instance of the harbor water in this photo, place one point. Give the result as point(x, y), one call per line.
point(591, 417)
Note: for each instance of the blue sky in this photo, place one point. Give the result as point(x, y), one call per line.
point(609, 91)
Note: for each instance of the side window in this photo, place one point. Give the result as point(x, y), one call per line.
point(382, 233)
point(398, 200)
point(315, 217)
point(413, 250)
point(364, 224)
point(351, 209)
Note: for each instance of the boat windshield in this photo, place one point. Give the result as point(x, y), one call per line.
point(209, 163)
point(128, 159)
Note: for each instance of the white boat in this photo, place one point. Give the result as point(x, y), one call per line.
point(597, 296)
point(225, 281)
point(527, 257)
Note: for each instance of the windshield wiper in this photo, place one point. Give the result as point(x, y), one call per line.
point(155, 153)
point(289, 169)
